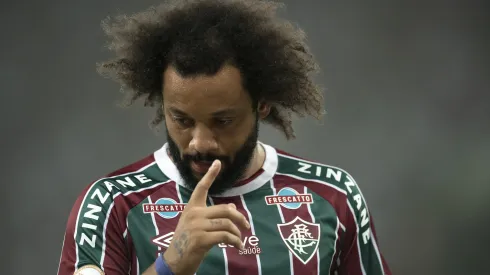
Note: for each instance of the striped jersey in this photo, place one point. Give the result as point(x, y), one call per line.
point(305, 217)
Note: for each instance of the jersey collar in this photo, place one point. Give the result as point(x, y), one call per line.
point(269, 169)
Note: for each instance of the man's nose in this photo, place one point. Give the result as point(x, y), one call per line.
point(203, 140)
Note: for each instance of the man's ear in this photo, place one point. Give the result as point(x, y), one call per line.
point(263, 109)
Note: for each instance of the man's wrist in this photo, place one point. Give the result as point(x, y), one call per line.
point(162, 266)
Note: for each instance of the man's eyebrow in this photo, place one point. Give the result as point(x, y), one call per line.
point(176, 111)
point(224, 112)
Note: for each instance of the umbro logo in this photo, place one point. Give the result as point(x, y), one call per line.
point(164, 240)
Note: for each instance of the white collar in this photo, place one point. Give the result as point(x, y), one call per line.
point(270, 167)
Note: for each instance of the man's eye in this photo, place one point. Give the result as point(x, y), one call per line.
point(224, 121)
point(182, 121)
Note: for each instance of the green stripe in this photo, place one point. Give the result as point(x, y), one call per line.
point(95, 209)
point(274, 255)
point(342, 180)
point(369, 257)
point(325, 215)
point(214, 262)
point(311, 171)
point(140, 226)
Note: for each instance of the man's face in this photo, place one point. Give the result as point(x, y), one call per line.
point(208, 118)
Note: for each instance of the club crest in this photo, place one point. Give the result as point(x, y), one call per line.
point(301, 237)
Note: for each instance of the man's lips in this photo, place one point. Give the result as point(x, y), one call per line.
point(201, 167)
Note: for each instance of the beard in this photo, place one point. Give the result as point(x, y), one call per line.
point(232, 168)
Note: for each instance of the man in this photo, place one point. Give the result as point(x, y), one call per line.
point(213, 199)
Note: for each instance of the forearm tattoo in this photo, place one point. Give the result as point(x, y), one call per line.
point(180, 244)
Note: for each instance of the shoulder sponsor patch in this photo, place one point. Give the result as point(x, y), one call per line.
point(289, 198)
point(301, 237)
point(89, 270)
point(165, 207)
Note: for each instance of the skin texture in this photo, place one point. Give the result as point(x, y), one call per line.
point(209, 116)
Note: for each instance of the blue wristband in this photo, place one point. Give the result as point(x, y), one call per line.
point(162, 267)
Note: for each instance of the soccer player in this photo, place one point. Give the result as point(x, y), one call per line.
point(214, 199)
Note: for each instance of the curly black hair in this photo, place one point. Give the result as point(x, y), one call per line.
point(199, 37)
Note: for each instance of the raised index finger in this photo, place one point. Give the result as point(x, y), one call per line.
point(200, 193)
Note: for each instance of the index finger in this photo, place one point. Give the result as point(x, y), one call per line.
point(200, 193)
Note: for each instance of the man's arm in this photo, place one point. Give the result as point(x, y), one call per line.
point(360, 253)
point(94, 242)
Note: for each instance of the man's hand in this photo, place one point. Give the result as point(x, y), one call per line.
point(201, 227)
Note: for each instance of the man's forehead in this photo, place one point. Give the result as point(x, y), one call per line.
point(216, 112)
point(221, 93)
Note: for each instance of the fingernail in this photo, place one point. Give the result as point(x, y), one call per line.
point(232, 205)
point(248, 224)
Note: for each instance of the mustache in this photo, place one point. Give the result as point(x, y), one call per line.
point(205, 158)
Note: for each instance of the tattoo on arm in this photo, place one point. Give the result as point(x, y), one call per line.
point(181, 244)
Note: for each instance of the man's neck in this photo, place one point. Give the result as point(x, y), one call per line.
point(256, 163)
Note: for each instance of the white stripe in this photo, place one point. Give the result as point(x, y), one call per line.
point(252, 227)
point(109, 214)
point(225, 258)
point(104, 237)
point(177, 189)
point(313, 180)
point(377, 252)
point(283, 221)
point(137, 265)
point(83, 202)
point(342, 226)
point(357, 237)
point(308, 205)
point(334, 245)
point(154, 223)
point(370, 229)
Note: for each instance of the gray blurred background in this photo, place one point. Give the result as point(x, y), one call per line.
point(408, 102)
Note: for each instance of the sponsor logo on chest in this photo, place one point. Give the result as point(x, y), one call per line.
point(250, 244)
point(289, 198)
point(165, 207)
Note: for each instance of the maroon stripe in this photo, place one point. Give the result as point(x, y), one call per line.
point(373, 229)
point(117, 223)
point(338, 248)
point(239, 264)
point(163, 224)
point(336, 198)
point(133, 167)
point(116, 257)
point(350, 261)
point(69, 254)
point(132, 255)
point(302, 212)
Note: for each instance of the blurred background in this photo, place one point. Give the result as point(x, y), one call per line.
point(408, 102)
